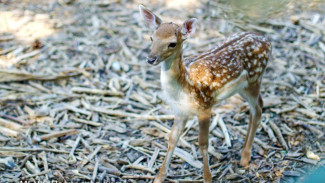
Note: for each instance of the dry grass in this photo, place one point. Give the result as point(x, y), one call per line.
point(79, 103)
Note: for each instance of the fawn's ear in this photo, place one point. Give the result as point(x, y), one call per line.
point(149, 18)
point(188, 28)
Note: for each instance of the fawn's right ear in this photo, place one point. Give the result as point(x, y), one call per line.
point(149, 18)
point(188, 28)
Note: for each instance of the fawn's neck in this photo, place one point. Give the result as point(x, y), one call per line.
point(172, 76)
point(173, 65)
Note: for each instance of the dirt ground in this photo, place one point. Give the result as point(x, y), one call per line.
point(79, 103)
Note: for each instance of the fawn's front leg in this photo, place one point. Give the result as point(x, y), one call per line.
point(204, 123)
point(177, 129)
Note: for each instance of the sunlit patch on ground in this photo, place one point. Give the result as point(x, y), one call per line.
point(24, 27)
point(181, 4)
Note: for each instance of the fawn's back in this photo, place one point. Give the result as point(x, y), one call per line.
point(220, 72)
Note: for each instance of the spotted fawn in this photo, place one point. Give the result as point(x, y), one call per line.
point(193, 85)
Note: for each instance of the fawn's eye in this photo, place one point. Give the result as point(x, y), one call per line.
point(172, 45)
point(151, 38)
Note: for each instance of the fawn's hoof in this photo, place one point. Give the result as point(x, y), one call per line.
point(157, 181)
point(160, 178)
point(245, 158)
point(207, 177)
point(244, 162)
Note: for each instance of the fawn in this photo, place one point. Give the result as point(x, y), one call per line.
point(193, 85)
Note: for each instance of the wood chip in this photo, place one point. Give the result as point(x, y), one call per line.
point(312, 155)
point(278, 133)
point(88, 122)
point(58, 134)
point(10, 125)
point(188, 158)
point(225, 131)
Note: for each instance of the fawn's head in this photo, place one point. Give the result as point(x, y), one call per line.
point(167, 38)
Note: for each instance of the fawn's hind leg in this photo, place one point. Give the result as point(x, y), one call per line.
point(252, 95)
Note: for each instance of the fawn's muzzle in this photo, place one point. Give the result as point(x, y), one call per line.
point(152, 59)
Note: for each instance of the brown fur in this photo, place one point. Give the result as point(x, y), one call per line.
point(166, 30)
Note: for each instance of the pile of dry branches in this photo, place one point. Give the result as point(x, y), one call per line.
point(79, 103)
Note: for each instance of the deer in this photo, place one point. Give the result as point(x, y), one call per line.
point(193, 85)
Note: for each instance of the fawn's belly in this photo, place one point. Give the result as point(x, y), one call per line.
point(232, 87)
point(186, 103)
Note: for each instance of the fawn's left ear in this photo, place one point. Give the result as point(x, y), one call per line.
point(149, 18)
point(188, 28)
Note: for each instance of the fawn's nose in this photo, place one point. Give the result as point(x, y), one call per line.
point(151, 59)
